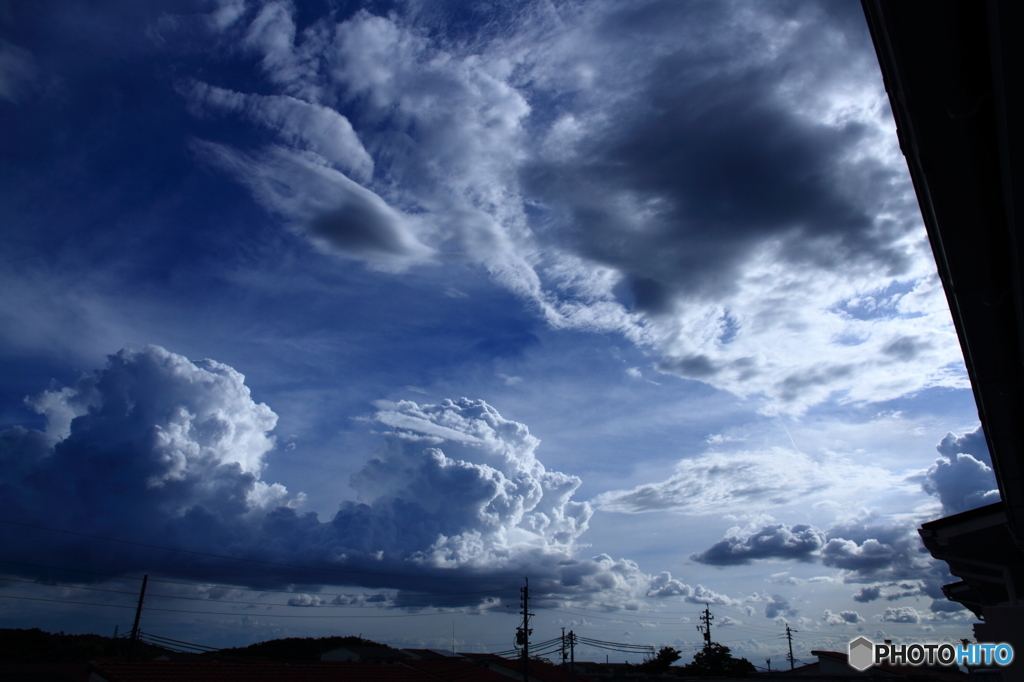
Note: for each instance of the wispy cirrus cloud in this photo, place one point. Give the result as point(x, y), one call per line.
point(744, 481)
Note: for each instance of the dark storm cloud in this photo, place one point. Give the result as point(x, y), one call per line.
point(774, 541)
point(156, 448)
point(698, 173)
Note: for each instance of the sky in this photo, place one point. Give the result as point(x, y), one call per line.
point(346, 318)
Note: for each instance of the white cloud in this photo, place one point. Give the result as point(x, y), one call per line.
point(485, 494)
point(964, 479)
point(746, 481)
point(193, 415)
point(961, 483)
point(298, 124)
point(972, 443)
point(901, 614)
point(664, 585)
point(558, 156)
point(841, 618)
point(773, 541)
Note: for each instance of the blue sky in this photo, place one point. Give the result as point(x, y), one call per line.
point(633, 299)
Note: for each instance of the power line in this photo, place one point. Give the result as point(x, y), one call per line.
point(167, 641)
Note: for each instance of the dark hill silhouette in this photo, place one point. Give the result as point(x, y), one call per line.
point(298, 648)
point(36, 646)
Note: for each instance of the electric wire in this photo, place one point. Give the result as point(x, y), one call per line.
point(178, 641)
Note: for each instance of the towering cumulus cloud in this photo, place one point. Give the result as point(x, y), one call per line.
point(480, 501)
point(160, 450)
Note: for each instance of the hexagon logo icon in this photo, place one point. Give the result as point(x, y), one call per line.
point(861, 653)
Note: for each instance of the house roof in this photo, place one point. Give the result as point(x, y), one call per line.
point(44, 672)
point(431, 653)
point(933, 672)
point(457, 670)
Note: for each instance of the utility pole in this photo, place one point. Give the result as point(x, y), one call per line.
point(706, 628)
point(523, 632)
point(572, 651)
point(769, 662)
point(789, 636)
point(564, 654)
point(138, 614)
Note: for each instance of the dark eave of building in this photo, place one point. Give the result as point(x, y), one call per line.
point(979, 549)
point(953, 73)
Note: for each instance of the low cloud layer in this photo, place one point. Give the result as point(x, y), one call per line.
point(156, 448)
point(743, 212)
point(886, 557)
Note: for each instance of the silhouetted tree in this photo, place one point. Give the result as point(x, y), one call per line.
point(715, 659)
point(660, 663)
